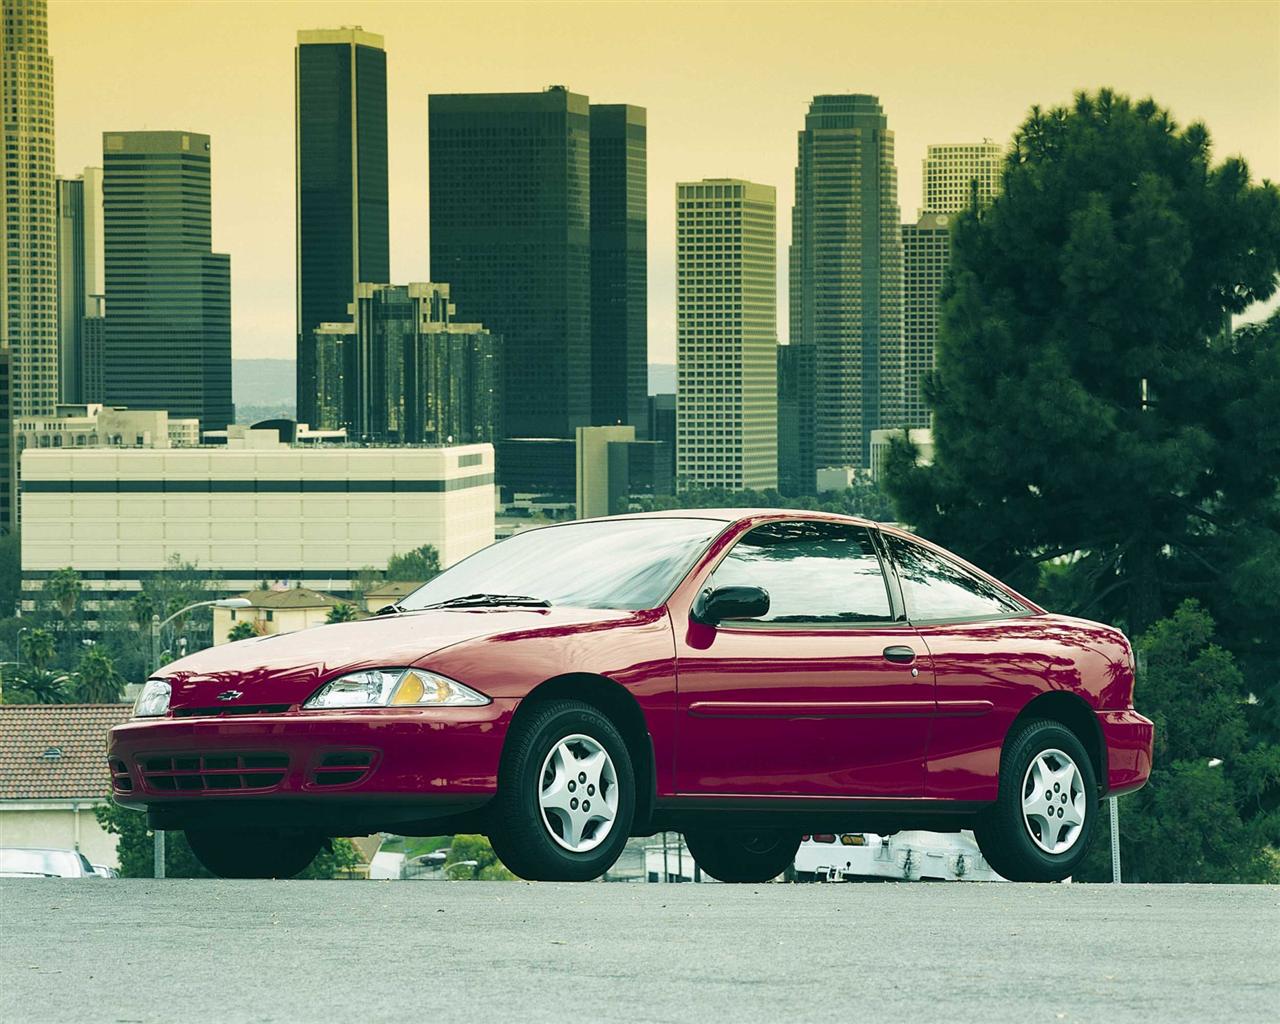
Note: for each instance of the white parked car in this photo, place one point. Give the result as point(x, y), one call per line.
point(903, 856)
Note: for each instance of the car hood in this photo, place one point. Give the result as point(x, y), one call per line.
point(287, 668)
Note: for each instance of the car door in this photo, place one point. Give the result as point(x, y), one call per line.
point(990, 656)
point(827, 695)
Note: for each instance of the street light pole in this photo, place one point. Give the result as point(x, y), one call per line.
point(156, 626)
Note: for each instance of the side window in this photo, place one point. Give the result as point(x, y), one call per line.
point(813, 572)
point(935, 588)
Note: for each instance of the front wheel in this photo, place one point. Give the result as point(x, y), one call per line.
point(254, 853)
point(1040, 827)
point(736, 856)
point(566, 794)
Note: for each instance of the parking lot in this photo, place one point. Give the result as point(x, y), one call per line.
point(476, 951)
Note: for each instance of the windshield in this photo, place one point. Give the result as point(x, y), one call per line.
point(621, 563)
point(58, 863)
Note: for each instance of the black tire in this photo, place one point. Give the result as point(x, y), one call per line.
point(742, 856)
point(254, 853)
point(1006, 837)
point(526, 840)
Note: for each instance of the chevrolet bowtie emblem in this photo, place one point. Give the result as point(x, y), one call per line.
point(230, 695)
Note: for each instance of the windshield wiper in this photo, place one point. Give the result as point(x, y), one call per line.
point(390, 609)
point(483, 600)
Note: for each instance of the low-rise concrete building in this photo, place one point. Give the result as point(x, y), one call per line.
point(311, 515)
point(93, 425)
point(278, 610)
point(388, 592)
point(53, 773)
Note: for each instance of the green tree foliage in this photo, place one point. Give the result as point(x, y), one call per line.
point(10, 573)
point(136, 850)
point(38, 646)
point(34, 685)
point(96, 680)
point(342, 612)
point(1210, 810)
point(416, 566)
point(863, 499)
point(1088, 403)
point(241, 631)
point(475, 859)
point(63, 590)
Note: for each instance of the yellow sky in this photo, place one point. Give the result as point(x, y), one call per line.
point(726, 87)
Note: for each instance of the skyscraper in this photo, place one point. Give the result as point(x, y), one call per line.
point(401, 369)
point(30, 279)
point(619, 251)
point(341, 140)
point(511, 233)
point(79, 276)
point(956, 177)
point(168, 297)
point(846, 280)
point(926, 252)
point(726, 334)
point(955, 174)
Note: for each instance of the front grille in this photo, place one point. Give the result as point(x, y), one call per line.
point(227, 710)
point(196, 773)
point(342, 768)
point(120, 780)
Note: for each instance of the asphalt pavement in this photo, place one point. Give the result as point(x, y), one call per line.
point(227, 951)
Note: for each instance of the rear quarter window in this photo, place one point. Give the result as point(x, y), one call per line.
point(937, 589)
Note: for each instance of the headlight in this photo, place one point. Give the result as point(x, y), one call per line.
point(394, 687)
point(153, 700)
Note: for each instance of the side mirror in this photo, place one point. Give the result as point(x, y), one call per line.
point(714, 605)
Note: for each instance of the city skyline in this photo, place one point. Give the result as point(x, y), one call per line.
point(1206, 66)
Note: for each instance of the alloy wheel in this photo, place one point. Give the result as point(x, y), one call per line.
point(578, 793)
point(1053, 801)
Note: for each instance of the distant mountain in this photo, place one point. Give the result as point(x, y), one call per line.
point(263, 384)
point(662, 378)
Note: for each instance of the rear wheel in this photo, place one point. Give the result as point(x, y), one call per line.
point(254, 853)
point(741, 856)
point(566, 794)
point(1040, 827)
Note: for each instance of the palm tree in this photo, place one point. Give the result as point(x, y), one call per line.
point(342, 612)
point(38, 647)
point(39, 686)
point(64, 588)
point(96, 680)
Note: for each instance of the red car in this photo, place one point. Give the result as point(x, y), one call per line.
point(743, 677)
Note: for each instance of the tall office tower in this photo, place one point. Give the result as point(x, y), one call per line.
point(8, 457)
point(926, 251)
point(956, 177)
point(79, 274)
point(341, 139)
point(619, 251)
point(726, 335)
point(93, 343)
point(402, 370)
point(511, 233)
point(30, 279)
point(795, 418)
point(957, 174)
point(846, 280)
point(168, 297)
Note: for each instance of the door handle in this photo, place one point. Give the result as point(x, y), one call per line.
point(900, 655)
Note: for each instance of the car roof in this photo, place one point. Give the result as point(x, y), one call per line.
point(735, 515)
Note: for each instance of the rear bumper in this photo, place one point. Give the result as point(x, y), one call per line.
point(329, 769)
point(1128, 738)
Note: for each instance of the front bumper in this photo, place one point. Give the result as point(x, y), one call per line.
point(1128, 738)
point(333, 769)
